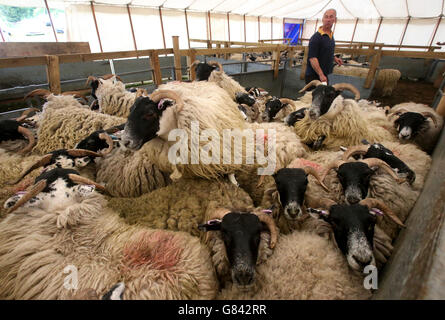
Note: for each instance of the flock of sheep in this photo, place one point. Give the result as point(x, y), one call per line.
point(94, 189)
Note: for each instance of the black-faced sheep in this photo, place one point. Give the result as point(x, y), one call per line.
point(417, 123)
point(38, 243)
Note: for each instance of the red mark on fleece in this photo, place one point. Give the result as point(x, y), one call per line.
point(158, 250)
point(301, 163)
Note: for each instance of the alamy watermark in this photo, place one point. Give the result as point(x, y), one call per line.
point(205, 147)
point(71, 281)
point(371, 280)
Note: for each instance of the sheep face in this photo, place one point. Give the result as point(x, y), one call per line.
point(9, 130)
point(93, 142)
point(410, 124)
point(203, 71)
point(241, 233)
point(354, 178)
point(379, 151)
point(291, 185)
point(322, 98)
point(353, 227)
point(245, 98)
point(295, 116)
point(142, 123)
point(273, 106)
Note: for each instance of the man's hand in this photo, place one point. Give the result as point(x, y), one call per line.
point(323, 78)
point(338, 61)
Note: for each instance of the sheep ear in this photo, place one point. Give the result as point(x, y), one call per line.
point(211, 225)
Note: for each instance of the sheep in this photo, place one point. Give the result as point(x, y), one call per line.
point(303, 266)
point(38, 242)
point(219, 77)
point(385, 82)
point(199, 106)
point(400, 198)
point(345, 124)
point(412, 124)
point(111, 95)
point(279, 109)
point(63, 127)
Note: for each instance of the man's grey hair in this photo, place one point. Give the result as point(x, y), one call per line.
point(332, 10)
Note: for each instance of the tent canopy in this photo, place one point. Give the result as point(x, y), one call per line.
point(300, 9)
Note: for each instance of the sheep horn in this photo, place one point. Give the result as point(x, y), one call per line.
point(332, 165)
point(141, 92)
point(75, 94)
point(428, 114)
point(93, 104)
point(169, 94)
point(256, 111)
point(219, 213)
point(375, 203)
point(270, 223)
point(38, 92)
point(195, 63)
point(310, 84)
point(313, 172)
point(382, 164)
point(286, 101)
point(355, 150)
point(31, 140)
point(25, 114)
point(216, 64)
point(46, 159)
point(110, 75)
point(90, 79)
point(324, 203)
point(397, 113)
point(108, 140)
point(82, 180)
point(347, 86)
point(36, 189)
point(83, 153)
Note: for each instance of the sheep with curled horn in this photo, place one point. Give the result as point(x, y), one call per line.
point(111, 95)
point(62, 158)
point(417, 123)
point(39, 240)
point(344, 124)
point(14, 131)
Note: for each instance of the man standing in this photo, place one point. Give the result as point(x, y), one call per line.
point(321, 50)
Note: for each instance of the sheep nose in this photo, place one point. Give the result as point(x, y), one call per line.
point(362, 263)
point(244, 277)
point(352, 199)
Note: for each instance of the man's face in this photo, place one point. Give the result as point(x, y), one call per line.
point(329, 18)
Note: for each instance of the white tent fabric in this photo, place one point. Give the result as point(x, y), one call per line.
point(363, 16)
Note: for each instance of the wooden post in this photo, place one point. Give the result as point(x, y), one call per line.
point(227, 55)
point(190, 59)
point(316, 22)
point(53, 74)
point(3, 38)
point(162, 27)
point(404, 31)
point(305, 62)
point(154, 62)
point(372, 70)
point(259, 29)
point(187, 27)
point(178, 71)
point(378, 29)
point(276, 57)
point(51, 20)
point(218, 46)
point(132, 30)
point(95, 23)
point(271, 27)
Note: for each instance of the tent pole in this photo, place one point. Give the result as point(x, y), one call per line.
point(187, 26)
point(131, 25)
point(162, 27)
point(435, 30)
point(210, 26)
point(271, 27)
point(3, 38)
point(378, 29)
point(228, 25)
point(95, 23)
point(244, 28)
point(316, 22)
point(404, 31)
point(353, 33)
point(259, 29)
point(51, 19)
